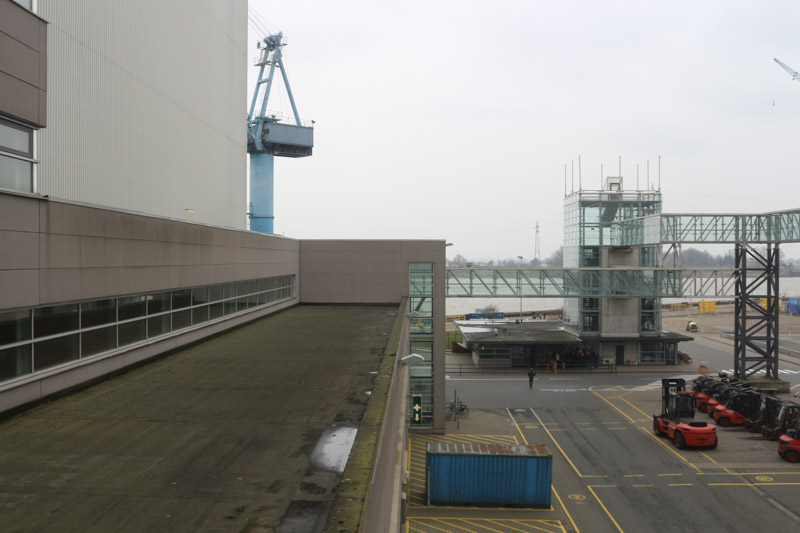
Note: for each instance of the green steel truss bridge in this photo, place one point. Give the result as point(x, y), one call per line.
point(753, 281)
point(558, 282)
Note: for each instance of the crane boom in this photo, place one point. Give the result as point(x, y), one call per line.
point(269, 135)
point(795, 75)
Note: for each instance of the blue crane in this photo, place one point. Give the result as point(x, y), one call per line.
point(269, 135)
point(795, 75)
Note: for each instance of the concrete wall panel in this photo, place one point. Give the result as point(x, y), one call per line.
point(18, 250)
point(59, 251)
point(23, 64)
point(85, 252)
point(19, 213)
point(18, 288)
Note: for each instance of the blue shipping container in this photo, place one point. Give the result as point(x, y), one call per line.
point(488, 474)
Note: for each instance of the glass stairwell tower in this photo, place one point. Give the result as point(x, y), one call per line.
point(623, 329)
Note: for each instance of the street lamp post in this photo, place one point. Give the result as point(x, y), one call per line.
point(519, 286)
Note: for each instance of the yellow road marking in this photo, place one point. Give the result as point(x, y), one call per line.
point(451, 522)
point(591, 489)
point(634, 475)
point(748, 484)
point(629, 403)
point(571, 521)
point(614, 406)
point(495, 521)
point(704, 454)
point(575, 468)
point(437, 528)
point(749, 473)
point(485, 527)
point(670, 474)
point(685, 460)
point(680, 484)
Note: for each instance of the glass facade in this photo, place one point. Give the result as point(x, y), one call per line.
point(589, 217)
point(33, 340)
point(421, 320)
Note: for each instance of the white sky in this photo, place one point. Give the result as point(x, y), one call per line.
point(454, 120)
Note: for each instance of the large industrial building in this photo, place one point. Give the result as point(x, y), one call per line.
point(123, 201)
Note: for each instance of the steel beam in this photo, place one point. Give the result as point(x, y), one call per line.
point(756, 311)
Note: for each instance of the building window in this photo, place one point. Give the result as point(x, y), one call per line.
point(32, 340)
point(27, 4)
point(16, 157)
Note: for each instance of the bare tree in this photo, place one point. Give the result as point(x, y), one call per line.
point(556, 259)
point(458, 261)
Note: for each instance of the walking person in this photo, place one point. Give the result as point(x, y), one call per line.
point(531, 375)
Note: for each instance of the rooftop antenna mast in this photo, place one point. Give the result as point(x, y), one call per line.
point(269, 134)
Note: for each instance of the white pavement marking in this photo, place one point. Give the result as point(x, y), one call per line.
point(763, 372)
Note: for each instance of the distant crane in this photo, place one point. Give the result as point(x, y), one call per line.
point(795, 75)
point(271, 135)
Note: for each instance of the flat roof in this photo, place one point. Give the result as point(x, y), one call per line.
point(504, 331)
point(213, 437)
point(490, 331)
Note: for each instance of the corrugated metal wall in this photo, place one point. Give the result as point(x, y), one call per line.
point(146, 105)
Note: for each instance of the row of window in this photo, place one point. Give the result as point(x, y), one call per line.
point(16, 157)
point(33, 340)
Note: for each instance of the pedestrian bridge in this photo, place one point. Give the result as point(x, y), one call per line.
point(645, 282)
point(559, 282)
point(766, 228)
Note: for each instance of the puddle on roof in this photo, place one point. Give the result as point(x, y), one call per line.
point(333, 448)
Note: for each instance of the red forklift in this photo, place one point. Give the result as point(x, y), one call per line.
point(735, 410)
point(789, 442)
point(708, 388)
point(721, 396)
point(778, 416)
point(754, 419)
point(676, 420)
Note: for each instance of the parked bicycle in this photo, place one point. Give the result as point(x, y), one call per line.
point(449, 409)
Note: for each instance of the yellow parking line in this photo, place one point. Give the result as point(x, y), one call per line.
point(615, 407)
point(707, 456)
point(682, 458)
point(591, 489)
point(481, 525)
point(680, 484)
point(629, 403)
point(571, 521)
point(437, 528)
point(748, 484)
point(575, 468)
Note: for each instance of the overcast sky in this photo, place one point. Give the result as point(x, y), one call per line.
point(455, 119)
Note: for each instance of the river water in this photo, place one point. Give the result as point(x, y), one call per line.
point(789, 287)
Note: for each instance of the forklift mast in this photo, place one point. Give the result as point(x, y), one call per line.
point(675, 401)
